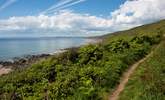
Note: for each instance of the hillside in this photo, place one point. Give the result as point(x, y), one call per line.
point(148, 82)
point(90, 72)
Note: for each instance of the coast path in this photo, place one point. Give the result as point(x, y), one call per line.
point(126, 76)
point(124, 80)
point(4, 70)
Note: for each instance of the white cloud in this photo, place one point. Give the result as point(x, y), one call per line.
point(139, 12)
point(130, 14)
point(62, 4)
point(64, 21)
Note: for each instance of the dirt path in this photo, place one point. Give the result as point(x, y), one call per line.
point(125, 78)
point(4, 70)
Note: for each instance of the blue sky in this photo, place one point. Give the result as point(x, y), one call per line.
point(34, 7)
point(38, 18)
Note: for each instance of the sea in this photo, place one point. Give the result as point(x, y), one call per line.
point(20, 47)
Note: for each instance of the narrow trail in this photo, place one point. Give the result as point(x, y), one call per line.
point(125, 78)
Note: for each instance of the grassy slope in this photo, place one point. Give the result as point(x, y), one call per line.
point(86, 73)
point(145, 29)
point(148, 82)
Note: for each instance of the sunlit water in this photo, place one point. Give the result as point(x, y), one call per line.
point(18, 47)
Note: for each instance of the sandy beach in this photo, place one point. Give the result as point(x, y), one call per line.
point(4, 70)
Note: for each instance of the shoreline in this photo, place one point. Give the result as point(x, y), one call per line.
point(23, 62)
point(7, 66)
point(15, 63)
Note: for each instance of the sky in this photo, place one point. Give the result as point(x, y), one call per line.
point(49, 18)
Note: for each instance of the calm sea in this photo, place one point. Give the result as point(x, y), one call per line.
point(18, 47)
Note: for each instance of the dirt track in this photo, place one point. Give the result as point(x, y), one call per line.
point(125, 78)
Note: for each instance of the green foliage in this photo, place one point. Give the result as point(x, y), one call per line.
point(90, 54)
point(117, 46)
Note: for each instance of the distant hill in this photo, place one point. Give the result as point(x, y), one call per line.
point(148, 28)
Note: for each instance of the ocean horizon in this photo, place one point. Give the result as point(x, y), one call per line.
point(19, 47)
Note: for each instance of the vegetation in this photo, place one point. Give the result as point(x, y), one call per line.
point(148, 82)
point(88, 72)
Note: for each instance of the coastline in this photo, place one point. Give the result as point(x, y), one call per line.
point(20, 63)
point(25, 61)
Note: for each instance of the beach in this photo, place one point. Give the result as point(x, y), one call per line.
point(4, 70)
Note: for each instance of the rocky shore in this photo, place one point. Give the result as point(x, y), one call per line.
point(23, 61)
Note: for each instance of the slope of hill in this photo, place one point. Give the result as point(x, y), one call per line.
point(126, 76)
point(86, 73)
point(148, 81)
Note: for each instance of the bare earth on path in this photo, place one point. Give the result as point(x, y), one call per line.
point(125, 78)
point(4, 70)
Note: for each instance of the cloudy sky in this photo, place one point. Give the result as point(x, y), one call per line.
point(37, 18)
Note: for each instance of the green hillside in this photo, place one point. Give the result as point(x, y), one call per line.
point(148, 81)
point(90, 72)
